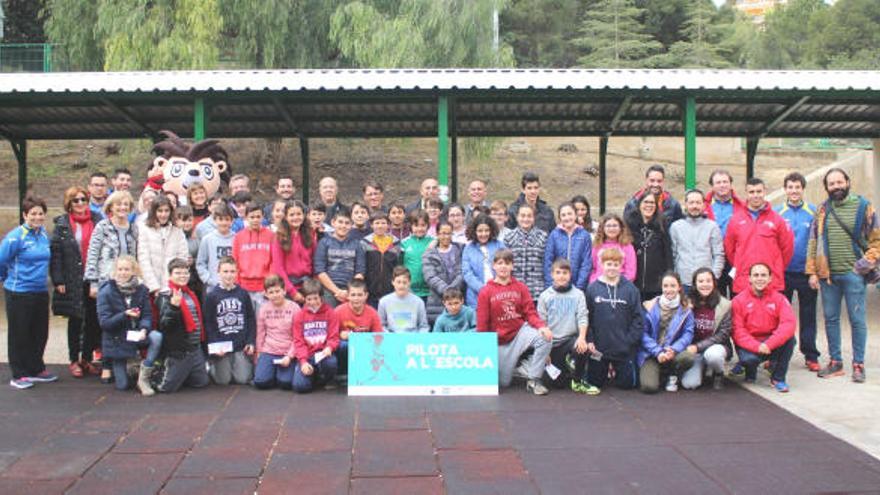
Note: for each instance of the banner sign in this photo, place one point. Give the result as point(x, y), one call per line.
point(423, 364)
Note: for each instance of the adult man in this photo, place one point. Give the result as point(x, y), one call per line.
point(666, 204)
point(430, 189)
point(284, 190)
point(531, 192)
point(121, 180)
point(328, 190)
point(844, 230)
point(97, 192)
point(374, 196)
point(477, 194)
point(721, 203)
point(763, 327)
point(696, 240)
point(757, 234)
point(239, 182)
point(799, 216)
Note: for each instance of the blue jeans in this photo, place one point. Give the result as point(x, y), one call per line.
point(626, 375)
point(324, 372)
point(269, 375)
point(800, 283)
point(154, 346)
point(779, 357)
point(851, 287)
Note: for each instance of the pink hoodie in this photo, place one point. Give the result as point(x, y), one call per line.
point(275, 328)
point(297, 262)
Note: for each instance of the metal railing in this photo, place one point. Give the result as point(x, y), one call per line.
point(26, 57)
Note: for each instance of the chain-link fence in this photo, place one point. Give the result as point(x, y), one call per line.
point(28, 57)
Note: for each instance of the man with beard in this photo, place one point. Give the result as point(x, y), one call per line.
point(696, 241)
point(845, 232)
point(666, 204)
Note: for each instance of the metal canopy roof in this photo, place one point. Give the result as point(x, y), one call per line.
point(404, 103)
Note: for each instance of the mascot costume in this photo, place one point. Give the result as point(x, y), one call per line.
point(179, 164)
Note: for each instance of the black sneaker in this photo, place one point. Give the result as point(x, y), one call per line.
point(834, 368)
point(858, 373)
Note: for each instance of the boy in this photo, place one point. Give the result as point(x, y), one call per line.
point(354, 316)
point(382, 254)
point(183, 220)
point(457, 317)
point(181, 324)
point(229, 318)
point(252, 249)
point(564, 308)
point(498, 212)
point(413, 247)
point(315, 338)
point(275, 351)
point(339, 259)
point(214, 246)
point(403, 311)
point(504, 306)
point(397, 221)
point(239, 202)
point(616, 326)
point(317, 214)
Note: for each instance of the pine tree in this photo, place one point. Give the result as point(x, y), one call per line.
point(700, 47)
point(613, 36)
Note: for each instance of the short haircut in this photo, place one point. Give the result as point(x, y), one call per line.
point(238, 177)
point(761, 263)
point(755, 181)
point(252, 207)
point(503, 254)
point(226, 260)
point(471, 232)
point(121, 171)
point(795, 177)
point(342, 212)
point(241, 197)
point(527, 207)
point(359, 204)
point(114, 198)
point(221, 211)
point(311, 287)
point(398, 205)
point(436, 203)
point(452, 293)
point(529, 177)
point(176, 264)
point(719, 171)
point(693, 191)
point(182, 212)
point(285, 177)
point(561, 264)
point(831, 171)
point(656, 168)
point(71, 193)
point(373, 184)
point(273, 281)
point(97, 175)
point(318, 205)
point(358, 284)
point(400, 271)
point(378, 215)
point(418, 215)
point(610, 254)
point(498, 205)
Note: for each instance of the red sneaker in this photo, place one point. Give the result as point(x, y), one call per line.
point(75, 370)
point(813, 365)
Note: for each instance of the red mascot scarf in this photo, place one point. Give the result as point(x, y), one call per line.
point(188, 320)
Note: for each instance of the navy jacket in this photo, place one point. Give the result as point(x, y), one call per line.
point(616, 323)
point(115, 323)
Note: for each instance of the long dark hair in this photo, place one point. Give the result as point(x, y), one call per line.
point(657, 220)
point(681, 294)
point(588, 220)
point(158, 202)
point(714, 297)
point(305, 230)
point(482, 220)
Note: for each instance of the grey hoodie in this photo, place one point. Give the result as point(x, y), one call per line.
point(696, 243)
point(564, 312)
point(213, 247)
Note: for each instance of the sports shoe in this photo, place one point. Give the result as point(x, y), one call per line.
point(780, 386)
point(813, 365)
point(582, 387)
point(41, 377)
point(75, 369)
point(858, 373)
point(738, 370)
point(20, 383)
point(672, 384)
point(536, 387)
point(834, 368)
point(521, 371)
point(718, 381)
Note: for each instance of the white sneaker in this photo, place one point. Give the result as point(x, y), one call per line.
point(672, 384)
point(536, 387)
point(521, 371)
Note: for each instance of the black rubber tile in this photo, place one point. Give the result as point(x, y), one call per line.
point(394, 453)
point(312, 473)
point(485, 471)
point(127, 474)
point(210, 486)
point(422, 485)
point(469, 431)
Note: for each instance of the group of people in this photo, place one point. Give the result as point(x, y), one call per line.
point(228, 290)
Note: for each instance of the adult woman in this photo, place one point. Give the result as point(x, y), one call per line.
point(24, 265)
point(455, 214)
point(614, 233)
point(113, 236)
point(70, 245)
point(570, 241)
point(293, 249)
point(652, 245)
point(476, 259)
point(527, 244)
point(197, 199)
point(669, 329)
point(441, 267)
point(159, 242)
point(712, 327)
point(584, 214)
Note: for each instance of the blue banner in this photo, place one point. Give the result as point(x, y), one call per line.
point(423, 364)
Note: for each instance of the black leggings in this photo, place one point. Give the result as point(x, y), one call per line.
point(84, 334)
point(27, 316)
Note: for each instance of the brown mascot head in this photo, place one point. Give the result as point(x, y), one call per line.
point(181, 164)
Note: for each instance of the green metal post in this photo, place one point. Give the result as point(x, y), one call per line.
point(200, 116)
point(751, 151)
point(690, 143)
point(603, 157)
point(47, 57)
point(453, 137)
point(304, 153)
point(19, 148)
point(443, 141)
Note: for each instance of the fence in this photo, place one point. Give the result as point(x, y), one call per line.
point(27, 57)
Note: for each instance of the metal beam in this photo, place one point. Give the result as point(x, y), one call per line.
point(618, 115)
point(285, 114)
point(603, 157)
point(130, 118)
point(780, 117)
point(443, 140)
point(453, 131)
point(304, 153)
point(19, 148)
point(200, 119)
point(751, 151)
point(690, 142)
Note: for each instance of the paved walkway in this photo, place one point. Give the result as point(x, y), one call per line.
point(82, 437)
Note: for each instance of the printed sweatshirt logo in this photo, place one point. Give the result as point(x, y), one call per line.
point(315, 332)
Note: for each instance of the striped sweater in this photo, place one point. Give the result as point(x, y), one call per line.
point(867, 227)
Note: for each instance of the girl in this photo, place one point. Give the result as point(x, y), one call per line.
point(412, 249)
point(293, 249)
point(434, 207)
point(584, 215)
point(172, 197)
point(70, 245)
point(528, 246)
point(441, 267)
point(669, 329)
point(455, 214)
point(570, 241)
point(124, 307)
point(397, 218)
point(197, 199)
point(275, 356)
point(712, 326)
point(143, 205)
point(276, 214)
point(652, 246)
point(360, 219)
point(160, 241)
point(613, 232)
point(476, 259)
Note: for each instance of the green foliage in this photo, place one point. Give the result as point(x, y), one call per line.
point(702, 34)
point(24, 21)
point(785, 39)
point(613, 36)
point(71, 23)
point(664, 19)
point(847, 35)
point(540, 31)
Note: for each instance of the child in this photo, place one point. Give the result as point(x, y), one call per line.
point(181, 324)
point(457, 317)
point(159, 242)
point(239, 202)
point(505, 307)
point(354, 316)
point(399, 228)
point(434, 207)
point(229, 317)
point(252, 249)
point(360, 219)
point(564, 308)
point(476, 259)
point(613, 233)
point(317, 214)
point(669, 329)
point(382, 254)
point(528, 244)
point(183, 220)
point(441, 267)
point(197, 199)
point(498, 212)
point(402, 311)
point(315, 338)
point(276, 214)
point(293, 249)
point(215, 246)
point(275, 338)
point(123, 306)
point(413, 247)
point(571, 242)
point(339, 259)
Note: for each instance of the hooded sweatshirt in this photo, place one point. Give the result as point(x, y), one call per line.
point(275, 328)
point(253, 252)
point(505, 308)
point(313, 330)
point(229, 315)
point(341, 260)
point(616, 323)
point(213, 247)
point(564, 310)
point(297, 262)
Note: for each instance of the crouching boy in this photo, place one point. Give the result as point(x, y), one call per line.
point(315, 338)
point(564, 308)
point(230, 328)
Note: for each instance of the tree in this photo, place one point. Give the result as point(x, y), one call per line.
point(701, 33)
point(71, 23)
point(540, 31)
point(663, 20)
point(24, 21)
point(613, 36)
point(846, 36)
point(786, 37)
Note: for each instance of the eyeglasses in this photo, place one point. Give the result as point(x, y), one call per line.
point(79, 200)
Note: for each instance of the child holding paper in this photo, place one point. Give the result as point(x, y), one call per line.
point(126, 318)
point(230, 327)
point(564, 307)
point(275, 337)
point(315, 338)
